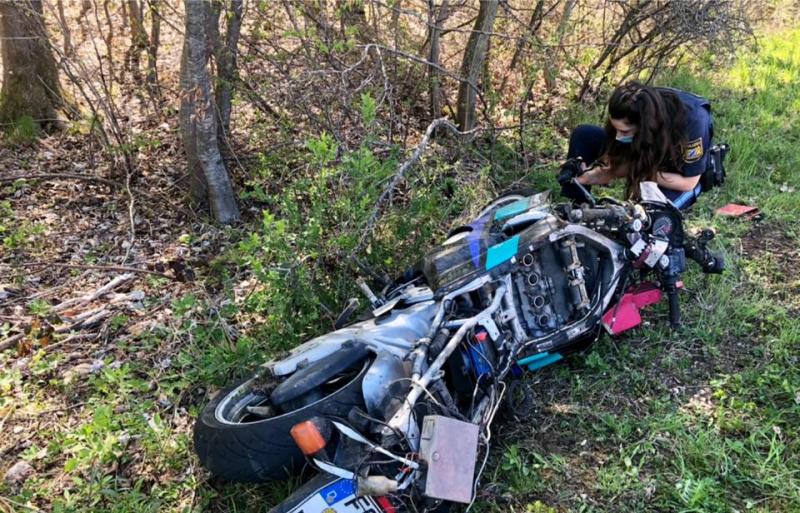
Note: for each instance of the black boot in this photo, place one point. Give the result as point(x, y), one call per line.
point(712, 262)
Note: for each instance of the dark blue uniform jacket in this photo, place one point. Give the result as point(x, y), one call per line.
point(699, 131)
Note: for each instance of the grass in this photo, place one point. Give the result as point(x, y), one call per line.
point(701, 420)
point(704, 419)
point(24, 130)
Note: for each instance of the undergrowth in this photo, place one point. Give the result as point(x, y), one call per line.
point(704, 419)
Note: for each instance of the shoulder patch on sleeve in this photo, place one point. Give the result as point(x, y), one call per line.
point(693, 151)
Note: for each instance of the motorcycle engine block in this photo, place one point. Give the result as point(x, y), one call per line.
point(552, 285)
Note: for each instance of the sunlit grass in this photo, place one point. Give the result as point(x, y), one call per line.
point(705, 419)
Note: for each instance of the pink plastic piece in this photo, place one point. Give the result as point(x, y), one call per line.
point(645, 294)
point(625, 314)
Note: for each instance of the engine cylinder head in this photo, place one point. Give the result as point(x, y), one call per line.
point(533, 279)
point(538, 301)
point(543, 320)
point(527, 259)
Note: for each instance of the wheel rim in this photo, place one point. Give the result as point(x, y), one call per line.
point(232, 409)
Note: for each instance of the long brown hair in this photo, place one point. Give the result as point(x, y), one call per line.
point(658, 143)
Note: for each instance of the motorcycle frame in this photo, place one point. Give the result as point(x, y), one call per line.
point(409, 331)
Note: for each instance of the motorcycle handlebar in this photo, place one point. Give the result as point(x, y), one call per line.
point(611, 213)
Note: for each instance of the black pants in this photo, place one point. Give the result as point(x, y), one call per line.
point(589, 142)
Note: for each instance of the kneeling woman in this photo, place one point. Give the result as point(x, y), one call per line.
point(652, 134)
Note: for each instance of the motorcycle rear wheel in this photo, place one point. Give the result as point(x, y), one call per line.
point(237, 446)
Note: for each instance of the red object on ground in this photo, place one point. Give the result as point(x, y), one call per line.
point(625, 314)
point(734, 210)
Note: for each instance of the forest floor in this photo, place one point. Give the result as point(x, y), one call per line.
point(98, 395)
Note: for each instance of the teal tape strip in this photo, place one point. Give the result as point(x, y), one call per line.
point(502, 252)
point(537, 361)
point(532, 358)
point(512, 209)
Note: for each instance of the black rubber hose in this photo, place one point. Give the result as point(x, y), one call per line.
point(674, 307)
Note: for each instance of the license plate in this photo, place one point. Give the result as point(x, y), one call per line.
point(338, 497)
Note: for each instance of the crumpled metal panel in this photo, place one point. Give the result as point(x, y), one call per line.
point(387, 373)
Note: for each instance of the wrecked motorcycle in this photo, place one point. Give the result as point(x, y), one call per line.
point(395, 411)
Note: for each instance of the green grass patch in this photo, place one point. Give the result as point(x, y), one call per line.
point(24, 130)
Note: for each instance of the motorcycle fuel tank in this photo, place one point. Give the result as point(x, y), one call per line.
point(480, 247)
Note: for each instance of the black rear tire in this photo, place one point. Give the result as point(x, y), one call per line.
point(263, 450)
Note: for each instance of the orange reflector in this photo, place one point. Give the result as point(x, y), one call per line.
point(308, 438)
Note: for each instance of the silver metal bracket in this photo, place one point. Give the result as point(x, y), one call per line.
point(488, 323)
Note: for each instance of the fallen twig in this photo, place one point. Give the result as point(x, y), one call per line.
point(10, 341)
point(110, 268)
point(72, 176)
point(135, 295)
point(405, 166)
point(71, 338)
point(88, 298)
point(79, 318)
point(87, 322)
point(131, 223)
point(7, 501)
point(61, 176)
point(51, 410)
point(46, 292)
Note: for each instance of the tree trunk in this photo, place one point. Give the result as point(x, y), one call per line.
point(533, 26)
point(108, 37)
point(632, 18)
point(535, 22)
point(139, 39)
point(315, 13)
point(62, 20)
point(30, 75)
point(153, 44)
point(550, 71)
point(226, 55)
point(209, 178)
point(435, 19)
point(472, 64)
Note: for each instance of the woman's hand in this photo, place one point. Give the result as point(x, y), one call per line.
point(597, 176)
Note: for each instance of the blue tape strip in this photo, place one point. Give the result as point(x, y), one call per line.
point(474, 239)
point(684, 198)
